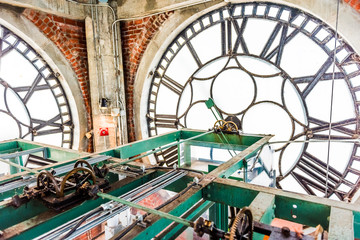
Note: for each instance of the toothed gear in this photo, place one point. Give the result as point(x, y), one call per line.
point(243, 226)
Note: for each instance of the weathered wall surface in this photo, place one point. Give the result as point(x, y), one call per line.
point(136, 35)
point(354, 4)
point(69, 36)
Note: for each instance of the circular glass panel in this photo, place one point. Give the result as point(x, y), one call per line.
point(32, 102)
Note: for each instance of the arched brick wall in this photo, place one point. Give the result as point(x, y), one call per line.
point(354, 4)
point(136, 35)
point(69, 36)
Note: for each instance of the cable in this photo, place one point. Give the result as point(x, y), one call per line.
point(96, 210)
point(332, 97)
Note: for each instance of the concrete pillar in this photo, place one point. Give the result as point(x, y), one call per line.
point(102, 75)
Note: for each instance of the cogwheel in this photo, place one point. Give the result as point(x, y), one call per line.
point(243, 225)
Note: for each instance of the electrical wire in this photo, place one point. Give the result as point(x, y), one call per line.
point(332, 97)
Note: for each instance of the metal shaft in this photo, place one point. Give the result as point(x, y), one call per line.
point(19, 166)
point(149, 210)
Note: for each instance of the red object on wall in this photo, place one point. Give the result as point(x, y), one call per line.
point(104, 131)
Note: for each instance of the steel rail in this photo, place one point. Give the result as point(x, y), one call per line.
point(144, 190)
point(146, 209)
point(29, 179)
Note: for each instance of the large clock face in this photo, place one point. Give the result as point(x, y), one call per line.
point(33, 104)
point(271, 66)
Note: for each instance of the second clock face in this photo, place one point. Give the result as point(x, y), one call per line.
point(271, 66)
point(33, 104)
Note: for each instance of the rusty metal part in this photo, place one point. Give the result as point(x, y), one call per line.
point(82, 162)
point(71, 174)
point(205, 226)
point(49, 178)
point(280, 233)
point(243, 225)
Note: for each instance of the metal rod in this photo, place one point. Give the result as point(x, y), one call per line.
point(19, 166)
point(149, 210)
point(161, 148)
point(135, 195)
point(332, 99)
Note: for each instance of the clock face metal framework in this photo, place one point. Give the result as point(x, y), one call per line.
point(33, 104)
point(271, 66)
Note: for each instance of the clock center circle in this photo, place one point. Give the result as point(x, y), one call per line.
point(9, 127)
point(268, 118)
point(239, 89)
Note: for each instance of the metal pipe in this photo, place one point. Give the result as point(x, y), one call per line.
point(149, 210)
point(18, 154)
point(158, 11)
point(160, 149)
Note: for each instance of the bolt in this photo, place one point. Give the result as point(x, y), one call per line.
point(285, 231)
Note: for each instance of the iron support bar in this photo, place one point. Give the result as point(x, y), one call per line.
point(19, 166)
point(149, 210)
point(18, 154)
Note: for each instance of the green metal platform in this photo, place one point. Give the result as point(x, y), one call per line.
point(215, 190)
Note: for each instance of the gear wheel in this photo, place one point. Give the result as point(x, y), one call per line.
point(243, 226)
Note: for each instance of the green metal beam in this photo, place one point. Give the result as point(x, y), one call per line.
point(158, 150)
point(10, 150)
point(242, 140)
point(218, 213)
point(356, 224)
point(158, 224)
point(139, 147)
point(228, 168)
